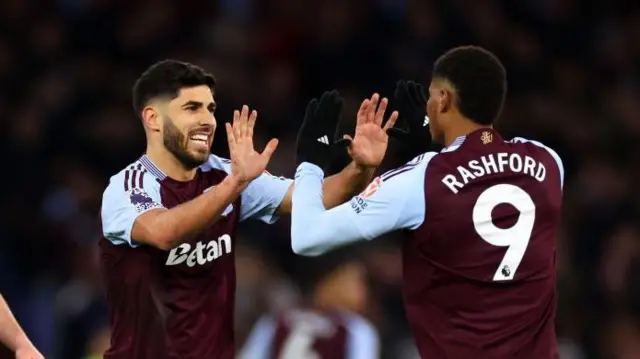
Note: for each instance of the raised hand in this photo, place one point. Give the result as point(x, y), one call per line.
point(413, 132)
point(368, 146)
point(246, 163)
point(316, 134)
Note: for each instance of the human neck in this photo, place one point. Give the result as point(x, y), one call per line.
point(169, 164)
point(461, 127)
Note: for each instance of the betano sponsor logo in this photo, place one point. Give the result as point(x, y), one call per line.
point(200, 253)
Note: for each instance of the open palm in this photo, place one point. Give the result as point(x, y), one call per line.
point(246, 162)
point(369, 144)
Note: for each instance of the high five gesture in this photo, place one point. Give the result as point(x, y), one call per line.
point(246, 162)
point(369, 144)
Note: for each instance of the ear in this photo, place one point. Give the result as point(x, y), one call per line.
point(151, 118)
point(445, 101)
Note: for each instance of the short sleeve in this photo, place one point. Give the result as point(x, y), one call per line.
point(263, 195)
point(128, 195)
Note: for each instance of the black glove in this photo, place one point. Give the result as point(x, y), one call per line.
point(340, 157)
point(316, 140)
point(412, 128)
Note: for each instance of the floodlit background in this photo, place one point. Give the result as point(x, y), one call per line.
point(66, 126)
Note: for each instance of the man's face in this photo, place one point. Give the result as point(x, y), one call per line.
point(189, 124)
point(434, 110)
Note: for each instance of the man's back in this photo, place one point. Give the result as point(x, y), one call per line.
point(301, 334)
point(479, 273)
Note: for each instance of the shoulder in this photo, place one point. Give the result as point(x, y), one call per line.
point(267, 321)
point(133, 179)
point(356, 324)
point(526, 141)
point(363, 336)
point(134, 175)
point(538, 144)
point(423, 159)
point(402, 182)
point(216, 163)
point(413, 169)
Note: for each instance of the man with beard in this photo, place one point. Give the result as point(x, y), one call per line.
point(169, 219)
point(479, 269)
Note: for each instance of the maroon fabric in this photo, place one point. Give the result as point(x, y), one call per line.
point(136, 325)
point(307, 332)
point(455, 307)
point(177, 304)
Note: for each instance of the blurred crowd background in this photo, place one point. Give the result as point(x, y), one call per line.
point(66, 126)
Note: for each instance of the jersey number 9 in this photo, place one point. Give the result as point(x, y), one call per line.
point(515, 238)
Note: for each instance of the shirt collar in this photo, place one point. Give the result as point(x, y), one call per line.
point(455, 144)
point(152, 168)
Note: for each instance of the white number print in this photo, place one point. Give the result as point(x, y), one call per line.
point(299, 344)
point(517, 237)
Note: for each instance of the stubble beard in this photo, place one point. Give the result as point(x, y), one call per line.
point(175, 142)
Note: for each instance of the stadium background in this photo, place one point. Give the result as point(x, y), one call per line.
point(66, 125)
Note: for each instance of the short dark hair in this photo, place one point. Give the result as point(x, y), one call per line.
point(479, 79)
point(165, 79)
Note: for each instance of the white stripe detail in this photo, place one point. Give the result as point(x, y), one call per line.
point(151, 167)
point(324, 139)
point(455, 144)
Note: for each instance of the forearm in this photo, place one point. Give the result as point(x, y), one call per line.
point(179, 224)
point(340, 187)
point(11, 335)
point(315, 230)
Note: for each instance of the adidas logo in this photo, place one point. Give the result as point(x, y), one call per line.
point(324, 139)
point(426, 121)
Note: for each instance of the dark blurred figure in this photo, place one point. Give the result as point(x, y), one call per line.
point(329, 324)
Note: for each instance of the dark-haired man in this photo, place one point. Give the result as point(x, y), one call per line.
point(169, 219)
point(482, 216)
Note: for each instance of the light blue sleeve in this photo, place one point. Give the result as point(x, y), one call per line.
point(553, 154)
point(258, 344)
point(263, 195)
point(392, 201)
point(127, 196)
point(363, 341)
